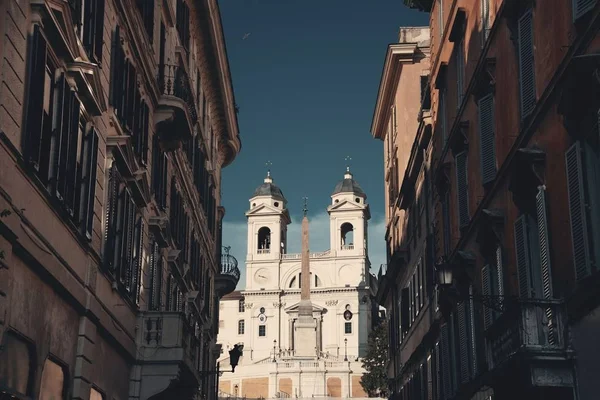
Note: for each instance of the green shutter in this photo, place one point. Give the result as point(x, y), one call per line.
point(35, 98)
point(523, 257)
point(472, 336)
point(487, 138)
point(581, 7)
point(445, 367)
point(462, 189)
point(526, 63)
point(487, 291)
point(542, 221)
point(463, 343)
point(578, 210)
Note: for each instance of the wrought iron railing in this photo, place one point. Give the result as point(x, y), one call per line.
point(534, 326)
point(173, 80)
point(229, 264)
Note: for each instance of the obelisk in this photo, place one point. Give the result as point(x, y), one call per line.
point(305, 340)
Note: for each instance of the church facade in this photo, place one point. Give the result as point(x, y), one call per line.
point(286, 354)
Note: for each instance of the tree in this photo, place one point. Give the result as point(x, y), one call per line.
point(375, 381)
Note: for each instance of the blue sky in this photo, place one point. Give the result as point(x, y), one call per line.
point(305, 79)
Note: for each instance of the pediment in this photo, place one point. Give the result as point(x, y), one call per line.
point(346, 205)
point(89, 86)
point(315, 308)
point(265, 209)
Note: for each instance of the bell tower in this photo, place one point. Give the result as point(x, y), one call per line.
point(348, 216)
point(268, 218)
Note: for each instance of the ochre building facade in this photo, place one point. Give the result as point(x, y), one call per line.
point(116, 119)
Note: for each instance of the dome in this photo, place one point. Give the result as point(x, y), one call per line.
point(349, 185)
point(268, 188)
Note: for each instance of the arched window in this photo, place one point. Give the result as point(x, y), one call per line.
point(296, 281)
point(347, 231)
point(264, 240)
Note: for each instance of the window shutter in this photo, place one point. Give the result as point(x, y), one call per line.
point(110, 219)
point(522, 254)
point(463, 346)
point(487, 138)
point(59, 126)
point(487, 291)
point(485, 20)
point(499, 272)
point(542, 223)
point(442, 114)
point(138, 260)
point(35, 98)
point(88, 183)
point(460, 71)
point(438, 371)
point(114, 64)
point(581, 7)
point(472, 336)
point(156, 278)
point(145, 132)
point(578, 211)
point(99, 34)
point(71, 154)
point(445, 345)
point(462, 188)
point(526, 64)
point(446, 224)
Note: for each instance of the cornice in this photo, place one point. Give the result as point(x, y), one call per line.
point(217, 77)
point(396, 55)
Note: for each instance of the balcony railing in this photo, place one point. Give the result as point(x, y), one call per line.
point(536, 327)
point(169, 338)
point(229, 266)
point(347, 247)
point(174, 81)
point(229, 275)
point(263, 251)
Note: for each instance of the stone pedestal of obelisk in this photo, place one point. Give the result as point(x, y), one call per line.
point(305, 340)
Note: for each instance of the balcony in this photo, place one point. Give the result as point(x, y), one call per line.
point(229, 275)
point(531, 335)
point(177, 113)
point(168, 350)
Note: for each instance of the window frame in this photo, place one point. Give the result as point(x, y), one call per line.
point(262, 331)
point(348, 324)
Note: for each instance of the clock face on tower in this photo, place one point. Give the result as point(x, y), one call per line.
point(262, 276)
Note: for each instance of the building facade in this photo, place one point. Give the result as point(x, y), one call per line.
point(267, 315)
point(515, 95)
point(116, 119)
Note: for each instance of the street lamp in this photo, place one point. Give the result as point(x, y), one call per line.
point(345, 349)
point(449, 294)
point(274, 346)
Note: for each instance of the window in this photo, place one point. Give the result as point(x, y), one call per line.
point(59, 145)
point(196, 259)
point(183, 23)
point(440, 5)
point(180, 222)
point(526, 64)
point(159, 174)
point(467, 341)
point(241, 327)
point(156, 273)
point(485, 21)
point(241, 306)
point(146, 9)
point(347, 328)
point(462, 189)
point(487, 138)
point(492, 276)
point(532, 251)
point(262, 330)
point(582, 164)
point(131, 111)
point(446, 222)
point(53, 381)
point(425, 93)
point(16, 365)
point(264, 240)
point(582, 7)
point(124, 241)
point(88, 16)
point(347, 239)
point(442, 115)
point(460, 71)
